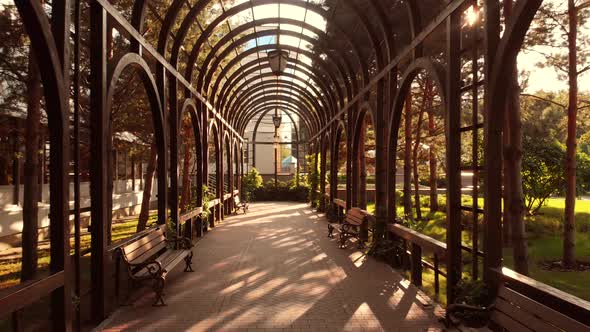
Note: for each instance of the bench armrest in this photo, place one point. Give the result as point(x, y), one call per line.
point(448, 321)
point(183, 242)
point(153, 267)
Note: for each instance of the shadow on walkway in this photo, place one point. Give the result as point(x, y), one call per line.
point(275, 269)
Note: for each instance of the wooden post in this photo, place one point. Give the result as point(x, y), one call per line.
point(416, 274)
point(453, 135)
point(99, 160)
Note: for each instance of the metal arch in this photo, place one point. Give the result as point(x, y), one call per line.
point(138, 14)
point(233, 115)
point(248, 113)
point(230, 12)
point(262, 114)
point(264, 111)
point(247, 117)
point(381, 61)
point(435, 71)
point(265, 85)
point(55, 57)
point(327, 99)
point(284, 87)
point(136, 61)
point(262, 99)
point(274, 105)
point(227, 100)
point(246, 69)
point(190, 106)
point(312, 56)
point(271, 106)
point(252, 24)
point(415, 23)
point(205, 74)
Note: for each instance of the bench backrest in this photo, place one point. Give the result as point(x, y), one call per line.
point(145, 247)
point(237, 200)
point(355, 216)
point(516, 312)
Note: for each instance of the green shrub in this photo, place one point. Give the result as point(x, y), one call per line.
point(542, 172)
point(282, 191)
point(250, 182)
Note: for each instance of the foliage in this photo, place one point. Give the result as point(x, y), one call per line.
point(542, 172)
point(313, 179)
point(207, 197)
point(474, 293)
point(250, 182)
point(390, 251)
point(283, 191)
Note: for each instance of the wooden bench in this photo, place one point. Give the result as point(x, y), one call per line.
point(152, 256)
point(240, 205)
point(512, 311)
point(351, 226)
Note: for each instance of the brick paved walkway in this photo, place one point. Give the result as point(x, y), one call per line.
point(275, 269)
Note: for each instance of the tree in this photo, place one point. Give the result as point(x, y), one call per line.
point(542, 173)
point(513, 192)
point(558, 29)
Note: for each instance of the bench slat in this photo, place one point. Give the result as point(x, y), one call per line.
point(168, 260)
point(507, 322)
point(141, 245)
point(131, 247)
point(521, 315)
point(545, 313)
point(145, 255)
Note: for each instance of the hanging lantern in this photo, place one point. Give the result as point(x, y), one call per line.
point(277, 60)
point(276, 120)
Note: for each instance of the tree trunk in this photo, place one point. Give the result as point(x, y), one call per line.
point(362, 167)
point(415, 159)
point(186, 181)
point(31, 184)
point(407, 158)
point(144, 214)
point(431, 153)
point(569, 236)
point(516, 202)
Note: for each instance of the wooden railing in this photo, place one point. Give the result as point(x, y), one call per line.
point(420, 245)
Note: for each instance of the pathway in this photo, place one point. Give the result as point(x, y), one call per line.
point(274, 269)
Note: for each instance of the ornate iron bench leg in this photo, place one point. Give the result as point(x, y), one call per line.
point(159, 290)
point(189, 261)
point(343, 237)
point(330, 231)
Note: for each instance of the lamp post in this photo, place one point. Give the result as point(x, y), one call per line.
point(276, 120)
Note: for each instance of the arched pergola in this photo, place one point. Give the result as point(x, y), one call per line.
point(348, 60)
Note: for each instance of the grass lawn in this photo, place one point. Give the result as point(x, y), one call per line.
point(10, 260)
point(545, 243)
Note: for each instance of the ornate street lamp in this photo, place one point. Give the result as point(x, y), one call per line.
point(276, 120)
point(277, 60)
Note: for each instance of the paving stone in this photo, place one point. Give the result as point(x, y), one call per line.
point(274, 269)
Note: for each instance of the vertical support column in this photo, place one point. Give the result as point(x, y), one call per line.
point(453, 135)
point(416, 273)
point(323, 165)
point(61, 304)
point(173, 122)
point(381, 189)
point(161, 141)
point(99, 158)
point(493, 152)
